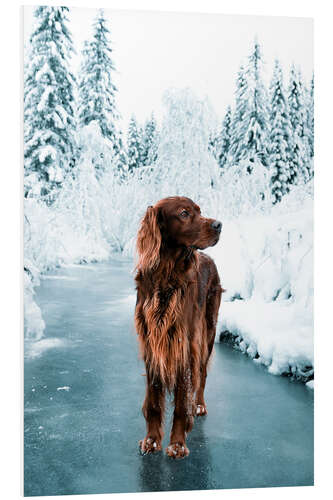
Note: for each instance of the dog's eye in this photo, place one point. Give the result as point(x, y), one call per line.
point(184, 214)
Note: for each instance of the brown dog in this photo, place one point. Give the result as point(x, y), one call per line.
point(178, 297)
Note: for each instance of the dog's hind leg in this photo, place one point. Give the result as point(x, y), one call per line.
point(201, 408)
point(212, 308)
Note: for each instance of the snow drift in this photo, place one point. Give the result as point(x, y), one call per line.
point(266, 265)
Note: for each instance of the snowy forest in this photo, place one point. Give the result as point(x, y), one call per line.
point(88, 181)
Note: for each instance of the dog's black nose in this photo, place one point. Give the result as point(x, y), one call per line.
point(217, 225)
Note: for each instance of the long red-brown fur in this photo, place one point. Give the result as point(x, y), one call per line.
point(178, 296)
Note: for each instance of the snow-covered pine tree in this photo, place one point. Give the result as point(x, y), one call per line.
point(142, 147)
point(96, 87)
point(49, 143)
point(256, 118)
point(305, 94)
point(97, 91)
point(133, 145)
point(120, 155)
point(279, 137)
point(238, 124)
point(150, 142)
point(223, 141)
point(309, 129)
point(212, 142)
point(310, 117)
point(300, 161)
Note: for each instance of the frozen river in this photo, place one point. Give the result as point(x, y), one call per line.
point(84, 391)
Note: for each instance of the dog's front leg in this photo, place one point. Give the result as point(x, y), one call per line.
point(153, 411)
point(182, 417)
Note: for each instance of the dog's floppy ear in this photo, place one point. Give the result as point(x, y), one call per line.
point(149, 241)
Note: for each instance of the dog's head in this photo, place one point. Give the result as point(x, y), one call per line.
point(174, 222)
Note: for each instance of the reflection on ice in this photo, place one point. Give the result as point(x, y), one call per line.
point(126, 302)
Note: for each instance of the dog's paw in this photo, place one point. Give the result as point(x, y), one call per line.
point(177, 450)
point(201, 410)
point(149, 445)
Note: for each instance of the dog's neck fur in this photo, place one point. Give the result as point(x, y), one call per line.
point(172, 260)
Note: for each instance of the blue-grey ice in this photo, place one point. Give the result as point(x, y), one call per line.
point(258, 432)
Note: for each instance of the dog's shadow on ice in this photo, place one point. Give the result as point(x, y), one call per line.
point(158, 472)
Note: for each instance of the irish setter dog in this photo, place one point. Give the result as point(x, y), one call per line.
point(178, 297)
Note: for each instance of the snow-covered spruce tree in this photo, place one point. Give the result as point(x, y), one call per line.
point(305, 93)
point(97, 91)
point(300, 160)
point(49, 144)
point(279, 137)
point(238, 124)
point(310, 117)
point(309, 127)
point(142, 148)
point(214, 142)
point(222, 141)
point(120, 156)
point(150, 142)
point(250, 121)
point(133, 145)
point(256, 116)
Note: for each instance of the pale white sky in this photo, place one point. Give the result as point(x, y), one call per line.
point(153, 51)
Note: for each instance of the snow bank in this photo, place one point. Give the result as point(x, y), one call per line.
point(267, 256)
point(266, 266)
point(33, 322)
point(310, 384)
point(277, 334)
point(36, 347)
